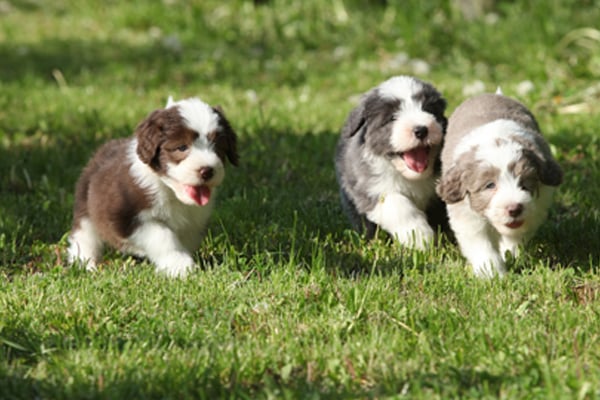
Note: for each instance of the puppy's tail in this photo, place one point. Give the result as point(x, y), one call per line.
point(499, 91)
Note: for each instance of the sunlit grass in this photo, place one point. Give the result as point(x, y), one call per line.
point(288, 302)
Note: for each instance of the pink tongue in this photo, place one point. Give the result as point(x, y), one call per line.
point(417, 159)
point(200, 194)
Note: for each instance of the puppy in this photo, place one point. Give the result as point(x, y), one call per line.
point(386, 159)
point(498, 177)
point(151, 195)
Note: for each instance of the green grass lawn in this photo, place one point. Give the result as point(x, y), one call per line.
point(289, 303)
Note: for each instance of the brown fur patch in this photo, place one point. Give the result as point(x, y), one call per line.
point(452, 186)
point(176, 147)
point(550, 173)
point(225, 139)
point(107, 194)
point(527, 169)
point(469, 176)
point(477, 180)
point(154, 131)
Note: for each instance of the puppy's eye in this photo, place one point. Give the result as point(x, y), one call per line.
point(183, 147)
point(490, 185)
point(389, 120)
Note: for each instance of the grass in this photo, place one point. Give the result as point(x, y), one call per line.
point(289, 303)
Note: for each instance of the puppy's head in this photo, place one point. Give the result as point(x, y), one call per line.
point(402, 120)
point(187, 145)
point(501, 175)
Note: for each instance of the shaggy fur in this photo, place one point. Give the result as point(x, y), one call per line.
point(387, 156)
point(498, 177)
point(151, 195)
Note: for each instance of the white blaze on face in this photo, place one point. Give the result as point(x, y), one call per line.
point(509, 193)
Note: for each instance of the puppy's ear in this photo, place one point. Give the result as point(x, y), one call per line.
point(150, 135)
point(444, 123)
point(227, 139)
point(551, 173)
point(356, 121)
point(451, 188)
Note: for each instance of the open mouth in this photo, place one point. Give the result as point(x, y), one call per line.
point(417, 159)
point(200, 194)
point(515, 224)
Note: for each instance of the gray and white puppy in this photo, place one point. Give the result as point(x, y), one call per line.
point(386, 159)
point(498, 177)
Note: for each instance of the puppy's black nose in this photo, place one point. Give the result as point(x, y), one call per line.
point(514, 210)
point(420, 131)
point(206, 173)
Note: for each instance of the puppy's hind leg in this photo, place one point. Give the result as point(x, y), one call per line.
point(85, 245)
point(359, 222)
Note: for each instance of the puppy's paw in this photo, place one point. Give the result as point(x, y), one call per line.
point(489, 268)
point(509, 246)
point(419, 238)
point(75, 257)
point(175, 265)
point(88, 264)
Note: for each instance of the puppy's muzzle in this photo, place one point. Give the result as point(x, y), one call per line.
point(420, 131)
point(206, 173)
point(514, 210)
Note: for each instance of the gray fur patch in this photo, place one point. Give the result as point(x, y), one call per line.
point(477, 180)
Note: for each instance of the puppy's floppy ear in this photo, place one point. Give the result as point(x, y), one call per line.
point(227, 138)
point(444, 123)
point(549, 171)
point(356, 121)
point(436, 105)
point(551, 174)
point(150, 135)
point(451, 188)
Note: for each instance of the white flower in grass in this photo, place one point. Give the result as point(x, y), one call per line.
point(473, 88)
point(252, 96)
point(155, 32)
point(524, 88)
point(172, 43)
point(420, 67)
point(340, 52)
point(491, 18)
point(398, 61)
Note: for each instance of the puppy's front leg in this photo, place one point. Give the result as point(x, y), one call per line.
point(476, 241)
point(511, 245)
point(398, 216)
point(160, 244)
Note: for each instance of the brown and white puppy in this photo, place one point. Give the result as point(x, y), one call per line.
point(498, 178)
point(387, 159)
point(151, 195)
